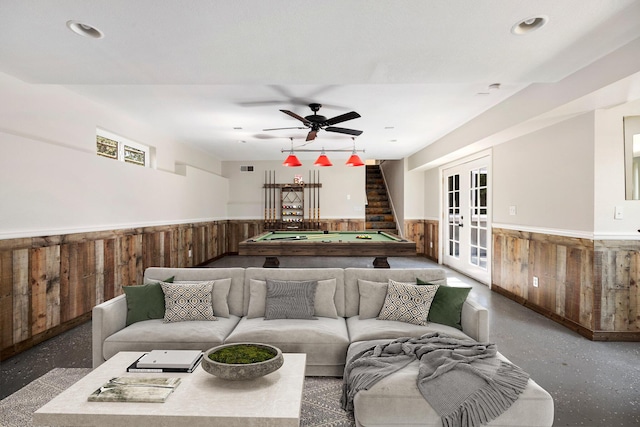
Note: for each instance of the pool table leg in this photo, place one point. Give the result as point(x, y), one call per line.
point(381, 262)
point(271, 262)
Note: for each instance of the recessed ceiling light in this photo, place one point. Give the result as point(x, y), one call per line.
point(85, 30)
point(389, 127)
point(529, 25)
point(237, 128)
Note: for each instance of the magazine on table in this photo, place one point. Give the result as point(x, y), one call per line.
point(135, 389)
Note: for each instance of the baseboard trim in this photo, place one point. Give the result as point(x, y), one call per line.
point(570, 324)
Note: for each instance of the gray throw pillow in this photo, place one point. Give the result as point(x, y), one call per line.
point(219, 294)
point(372, 295)
point(290, 300)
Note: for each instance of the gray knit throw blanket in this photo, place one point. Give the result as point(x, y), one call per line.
point(462, 380)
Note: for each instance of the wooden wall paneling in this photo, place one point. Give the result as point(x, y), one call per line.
point(606, 260)
point(586, 288)
point(497, 246)
point(65, 259)
point(6, 298)
point(138, 264)
point(21, 295)
point(634, 292)
point(38, 284)
point(561, 280)
point(99, 270)
point(52, 271)
point(109, 268)
point(168, 248)
point(88, 273)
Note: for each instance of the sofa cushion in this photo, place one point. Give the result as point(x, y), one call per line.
point(290, 299)
point(154, 334)
point(219, 295)
point(446, 307)
point(187, 302)
point(407, 302)
point(324, 340)
point(324, 303)
point(373, 329)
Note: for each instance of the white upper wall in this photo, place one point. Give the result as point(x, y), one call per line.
point(609, 187)
point(342, 194)
point(52, 181)
point(548, 175)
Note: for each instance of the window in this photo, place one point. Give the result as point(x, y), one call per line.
point(117, 147)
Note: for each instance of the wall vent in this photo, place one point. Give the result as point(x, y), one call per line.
point(246, 168)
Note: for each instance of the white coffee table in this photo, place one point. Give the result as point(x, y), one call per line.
point(200, 400)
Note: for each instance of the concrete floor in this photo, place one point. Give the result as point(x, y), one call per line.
point(595, 384)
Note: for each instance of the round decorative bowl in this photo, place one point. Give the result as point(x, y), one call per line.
point(242, 361)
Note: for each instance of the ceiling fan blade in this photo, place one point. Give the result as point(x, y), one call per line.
point(299, 127)
point(295, 116)
point(343, 130)
point(312, 135)
point(342, 118)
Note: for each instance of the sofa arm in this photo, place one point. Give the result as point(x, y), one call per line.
point(108, 318)
point(475, 321)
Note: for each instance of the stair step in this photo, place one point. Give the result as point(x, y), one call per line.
point(380, 218)
point(378, 210)
point(380, 225)
point(378, 203)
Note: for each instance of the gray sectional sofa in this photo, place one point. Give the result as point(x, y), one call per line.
point(345, 299)
point(325, 340)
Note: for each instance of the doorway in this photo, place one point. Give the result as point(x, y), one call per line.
point(467, 219)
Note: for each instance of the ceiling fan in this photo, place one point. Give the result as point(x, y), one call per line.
point(315, 122)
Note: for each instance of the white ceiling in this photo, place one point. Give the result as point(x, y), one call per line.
point(198, 69)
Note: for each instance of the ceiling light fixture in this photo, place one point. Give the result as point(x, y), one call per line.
point(354, 160)
point(323, 160)
point(85, 30)
point(529, 25)
point(291, 160)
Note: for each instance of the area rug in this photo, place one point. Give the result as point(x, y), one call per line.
point(320, 399)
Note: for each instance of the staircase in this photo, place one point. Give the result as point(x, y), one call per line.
point(378, 213)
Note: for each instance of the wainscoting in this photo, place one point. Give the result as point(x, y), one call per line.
point(588, 286)
point(425, 233)
point(49, 284)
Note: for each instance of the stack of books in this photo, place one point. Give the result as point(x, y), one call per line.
point(167, 361)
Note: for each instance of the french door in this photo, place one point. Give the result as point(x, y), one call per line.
point(467, 227)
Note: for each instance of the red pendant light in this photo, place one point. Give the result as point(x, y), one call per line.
point(323, 160)
point(291, 160)
point(354, 160)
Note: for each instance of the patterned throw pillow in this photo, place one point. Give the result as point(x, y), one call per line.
point(290, 300)
point(187, 302)
point(407, 302)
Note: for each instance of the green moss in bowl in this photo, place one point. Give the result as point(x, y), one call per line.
point(242, 354)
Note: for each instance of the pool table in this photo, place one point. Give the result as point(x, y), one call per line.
point(327, 243)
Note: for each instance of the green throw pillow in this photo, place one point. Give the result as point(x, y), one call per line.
point(446, 307)
point(145, 302)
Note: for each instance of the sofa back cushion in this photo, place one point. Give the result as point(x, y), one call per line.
point(436, 276)
point(297, 274)
point(236, 290)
